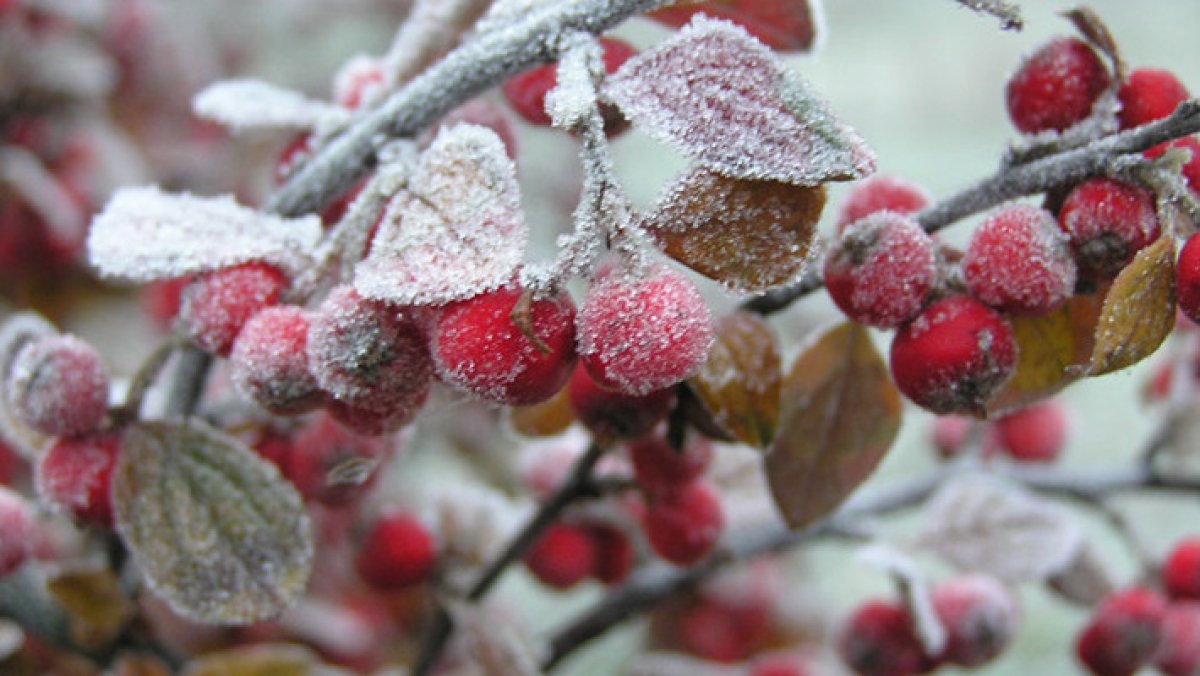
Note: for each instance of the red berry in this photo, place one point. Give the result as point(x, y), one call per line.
point(562, 556)
point(1187, 278)
point(684, 525)
point(658, 467)
point(1179, 651)
point(879, 640)
point(371, 357)
point(1056, 86)
point(1123, 634)
point(478, 346)
point(397, 552)
point(76, 476)
point(954, 356)
point(881, 269)
point(269, 362)
point(612, 414)
point(780, 664)
point(160, 300)
point(709, 632)
point(1019, 261)
point(526, 92)
point(949, 433)
point(880, 192)
point(333, 465)
point(58, 385)
point(275, 448)
point(1191, 169)
point(615, 556)
point(16, 530)
point(1108, 222)
point(1181, 570)
point(638, 334)
point(1149, 94)
point(296, 152)
point(217, 304)
point(1036, 433)
point(980, 617)
point(485, 112)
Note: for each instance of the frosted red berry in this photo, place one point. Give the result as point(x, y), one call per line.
point(881, 269)
point(641, 333)
point(1187, 278)
point(658, 467)
point(333, 465)
point(1123, 633)
point(217, 304)
point(879, 639)
point(58, 385)
point(1056, 86)
point(684, 525)
point(1149, 94)
point(954, 356)
point(980, 617)
point(397, 552)
point(1036, 433)
point(16, 530)
point(75, 475)
point(563, 556)
point(615, 556)
point(526, 92)
point(1179, 650)
point(1181, 570)
point(269, 362)
point(881, 192)
point(1108, 222)
point(708, 631)
point(478, 346)
point(1190, 169)
point(1019, 261)
point(613, 415)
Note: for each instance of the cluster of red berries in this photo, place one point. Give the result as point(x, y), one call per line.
point(979, 615)
point(1036, 433)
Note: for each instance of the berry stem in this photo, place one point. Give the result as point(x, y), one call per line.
point(144, 379)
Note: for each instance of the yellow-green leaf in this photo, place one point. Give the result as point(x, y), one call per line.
point(279, 659)
point(839, 416)
point(214, 529)
point(739, 383)
point(1139, 310)
point(91, 596)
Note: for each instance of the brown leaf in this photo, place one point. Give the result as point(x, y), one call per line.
point(839, 415)
point(257, 660)
point(546, 419)
point(739, 383)
point(1139, 310)
point(749, 235)
point(93, 597)
point(1094, 30)
point(786, 25)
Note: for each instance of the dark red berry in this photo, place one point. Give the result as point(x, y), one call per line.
point(613, 415)
point(1019, 261)
point(1123, 634)
point(333, 465)
point(563, 556)
point(684, 525)
point(1191, 169)
point(615, 556)
point(217, 304)
point(1036, 433)
point(1149, 94)
point(397, 552)
point(1108, 222)
point(1179, 651)
point(659, 468)
point(17, 528)
point(1187, 278)
point(879, 639)
point(1181, 570)
point(980, 618)
point(526, 92)
point(1056, 86)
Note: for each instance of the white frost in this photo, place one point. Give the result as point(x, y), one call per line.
point(252, 104)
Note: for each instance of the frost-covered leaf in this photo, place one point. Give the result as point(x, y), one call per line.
point(214, 528)
point(749, 235)
point(913, 589)
point(1086, 580)
point(839, 415)
point(145, 234)
point(253, 104)
point(981, 524)
point(459, 229)
point(740, 381)
point(1051, 349)
point(92, 596)
point(262, 659)
point(18, 330)
point(1139, 310)
point(786, 25)
point(722, 98)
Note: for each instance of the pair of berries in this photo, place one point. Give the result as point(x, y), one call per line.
point(1036, 433)
point(568, 552)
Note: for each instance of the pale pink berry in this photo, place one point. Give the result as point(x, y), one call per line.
point(269, 362)
point(217, 304)
point(75, 475)
point(980, 617)
point(16, 530)
point(58, 385)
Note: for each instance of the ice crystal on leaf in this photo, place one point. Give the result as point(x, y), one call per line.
point(252, 104)
point(459, 230)
point(145, 234)
point(724, 99)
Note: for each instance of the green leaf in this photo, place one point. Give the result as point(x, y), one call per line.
point(840, 414)
point(214, 528)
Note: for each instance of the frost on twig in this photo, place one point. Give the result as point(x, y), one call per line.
point(432, 27)
point(1008, 13)
point(145, 234)
point(247, 104)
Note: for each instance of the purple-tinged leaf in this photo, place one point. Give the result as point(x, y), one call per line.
point(724, 99)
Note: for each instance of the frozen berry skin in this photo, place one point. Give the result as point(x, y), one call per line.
point(269, 362)
point(217, 304)
point(333, 465)
point(1191, 169)
point(1179, 651)
point(1036, 433)
point(1108, 222)
point(1123, 633)
point(563, 556)
point(660, 468)
point(75, 475)
point(684, 525)
point(980, 617)
point(954, 356)
point(1019, 261)
point(397, 552)
point(1056, 86)
point(1187, 278)
point(879, 639)
point(881, 192)
point(477, 346)
point(615, 556)
point(1181, 570)
point(880, 270)
point(58, 385)
point(16, 530)
point(1149, 94)
point(526, 92)
point(612, 415)
point(369, 356)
